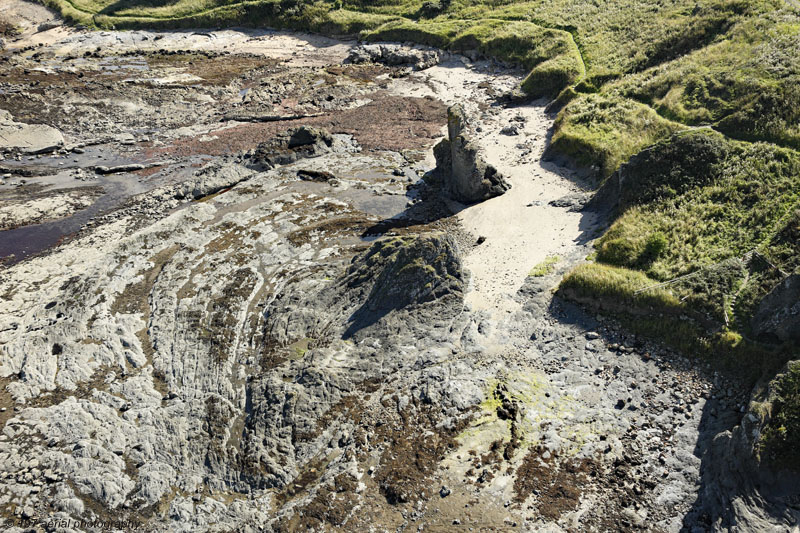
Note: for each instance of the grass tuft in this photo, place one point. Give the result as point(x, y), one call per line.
point(546, 267)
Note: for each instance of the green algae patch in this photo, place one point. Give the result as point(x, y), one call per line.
point(546, 267)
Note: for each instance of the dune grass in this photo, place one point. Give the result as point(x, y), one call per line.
point(601, 132)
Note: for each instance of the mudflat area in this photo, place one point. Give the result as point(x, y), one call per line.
point(235, 299)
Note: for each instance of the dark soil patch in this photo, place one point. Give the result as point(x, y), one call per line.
point(329, 229)
point(6, 402)
point(214, 69)
point(331, 505)
point(412, 452)
point(387, 123)
point(557, 484)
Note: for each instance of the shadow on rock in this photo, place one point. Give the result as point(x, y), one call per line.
point(737, 492)
point(404, 272)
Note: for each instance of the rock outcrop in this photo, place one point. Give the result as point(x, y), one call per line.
point(396, 283)
point(293, 145)
point(778, 315)
point(394, 55)
point(740, 491)
point(27, 138)
point(406, 271)
point(466, 176)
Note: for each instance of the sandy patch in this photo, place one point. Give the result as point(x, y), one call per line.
point(520, 228)
point(38, 24)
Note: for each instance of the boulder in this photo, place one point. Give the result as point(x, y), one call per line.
point(778, 315)
point(293, 145)
point(466, 175)
point(406, 271)
point(408, 281)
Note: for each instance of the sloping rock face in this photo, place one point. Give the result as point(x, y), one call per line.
point(467, 177)
point(408, 271)
point(234, 347)
point(740, 491)
point(396, 284)
point(391, 296)
point(778, 315)
point(27, 138)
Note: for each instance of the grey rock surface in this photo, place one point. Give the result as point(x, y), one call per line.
point(394, 55)
point(268, 335)
point(778, 314)
point(27, 138)
point(467, 177)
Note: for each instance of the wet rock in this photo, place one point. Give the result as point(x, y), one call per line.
point(466, 175)
point(100, 169)
point(315, 175)
point(296, 144)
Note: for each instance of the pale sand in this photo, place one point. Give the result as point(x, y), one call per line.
point(29, 17)
point(294, 49)
point(518, 237)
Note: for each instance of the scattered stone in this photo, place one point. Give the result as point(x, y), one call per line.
point(100, 169)
point(573, 202)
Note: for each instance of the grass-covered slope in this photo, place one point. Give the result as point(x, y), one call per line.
point(688, 111)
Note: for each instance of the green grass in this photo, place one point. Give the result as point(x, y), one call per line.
point(546, 267)
point(602, 132)
point(657, 312)
point(781, 437)
point(616, 289)
point(717, 200)
point(731, 64)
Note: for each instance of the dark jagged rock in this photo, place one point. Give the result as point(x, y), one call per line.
point(315, 175)
point(778, 316)
point(401, 280)
point(408, 270)
point(466, 176)
point(394, 55)
point(292, 145)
